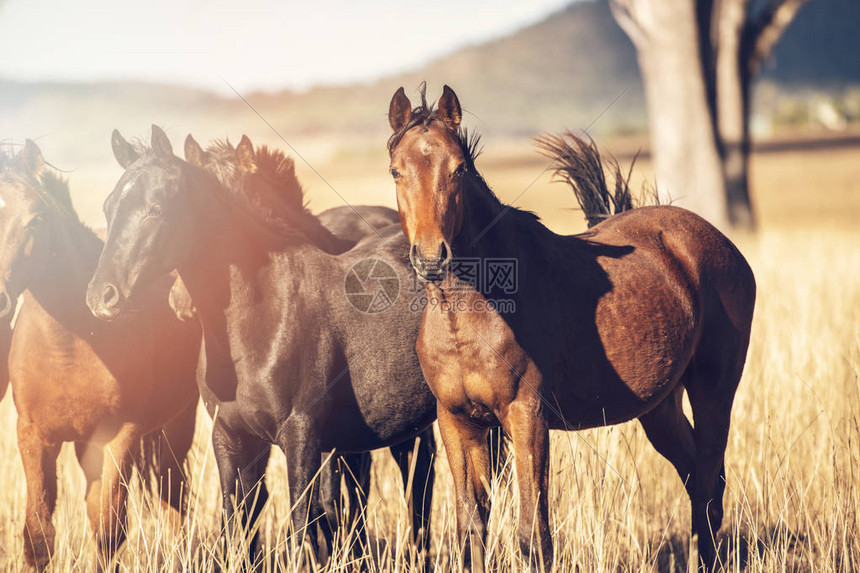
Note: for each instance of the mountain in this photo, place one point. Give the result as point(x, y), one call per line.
point(820, 49)
point(564, 71)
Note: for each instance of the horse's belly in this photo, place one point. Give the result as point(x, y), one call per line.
point(637, 355)
point(68, 408)
point(379, 412)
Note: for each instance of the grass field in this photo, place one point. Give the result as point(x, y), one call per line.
point(792, 497)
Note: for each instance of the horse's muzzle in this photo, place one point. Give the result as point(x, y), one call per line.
point(7, 305)
point(431, 269)
point(105, 301)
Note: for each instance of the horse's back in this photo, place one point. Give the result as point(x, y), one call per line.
point(682, 239)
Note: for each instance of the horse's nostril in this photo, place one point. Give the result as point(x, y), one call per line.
point(5, 304)
point(110, 296)
point(444, 253)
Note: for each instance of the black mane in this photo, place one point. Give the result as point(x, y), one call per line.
point(51, 187)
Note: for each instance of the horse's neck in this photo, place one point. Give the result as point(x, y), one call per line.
point(59, 278)
point(229, 260)
point(486, 230)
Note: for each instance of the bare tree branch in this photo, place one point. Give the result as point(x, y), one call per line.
point(629, 15)
point(764, 34)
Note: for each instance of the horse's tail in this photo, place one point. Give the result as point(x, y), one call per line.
point(577, 162)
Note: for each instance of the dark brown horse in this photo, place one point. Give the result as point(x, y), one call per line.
point(290, 358)
point(269, 177)
point(352, 224)
point(604, 327)
point(77, 379)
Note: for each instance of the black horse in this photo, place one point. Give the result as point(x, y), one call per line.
point(358, 222)
point(295, 353)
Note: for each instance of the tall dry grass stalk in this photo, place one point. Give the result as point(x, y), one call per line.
point(793, 463)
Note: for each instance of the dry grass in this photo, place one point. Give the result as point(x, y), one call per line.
point(793, 459)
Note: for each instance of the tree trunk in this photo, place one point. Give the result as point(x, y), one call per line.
point(686, 160)
point(732, 110)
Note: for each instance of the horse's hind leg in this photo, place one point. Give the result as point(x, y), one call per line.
point(711, 383)
point(106, 497)
point(670, 433)
point(40, 469)
point(421, 495)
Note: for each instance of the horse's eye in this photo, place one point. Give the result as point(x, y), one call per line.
point(35, 222)
point(394, 173)
point(154, 210)
point(461, 169)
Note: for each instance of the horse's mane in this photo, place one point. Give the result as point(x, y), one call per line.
point(285, 212)
point(51, 187)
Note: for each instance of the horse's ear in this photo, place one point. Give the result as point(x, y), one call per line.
point(160, 142)
point(245, 155)
point(31, 158)
point(194, 154)
point(122, 150)
point(399, 110)
point(449, 109)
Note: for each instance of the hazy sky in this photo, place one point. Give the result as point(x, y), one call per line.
point(256, 44)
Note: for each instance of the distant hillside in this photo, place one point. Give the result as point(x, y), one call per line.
point(821, 48)
point(562, 71)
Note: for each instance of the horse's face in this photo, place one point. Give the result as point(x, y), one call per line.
point(22, 223)
point(148, 228)
point(428, 164)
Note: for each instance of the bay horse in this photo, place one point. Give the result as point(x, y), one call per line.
point(288, 358)
point(354, 223)
point(607, 326)
point(75, 379)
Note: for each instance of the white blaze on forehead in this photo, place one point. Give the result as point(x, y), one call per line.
point(425, 148)
point(127, 187)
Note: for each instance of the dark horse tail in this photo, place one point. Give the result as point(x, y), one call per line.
point(577, 162)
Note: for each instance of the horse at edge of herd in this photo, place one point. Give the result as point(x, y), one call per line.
point(228, 289)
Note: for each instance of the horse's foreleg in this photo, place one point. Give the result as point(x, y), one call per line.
point(498, 450)
point(176, 438)
point(106, 498)
point(40, 470)
point(300, 441)
point(5, 344)
point(423, 476)
point(529, 432)
point(355, 471)
point(469, 459)
point(242, 461)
